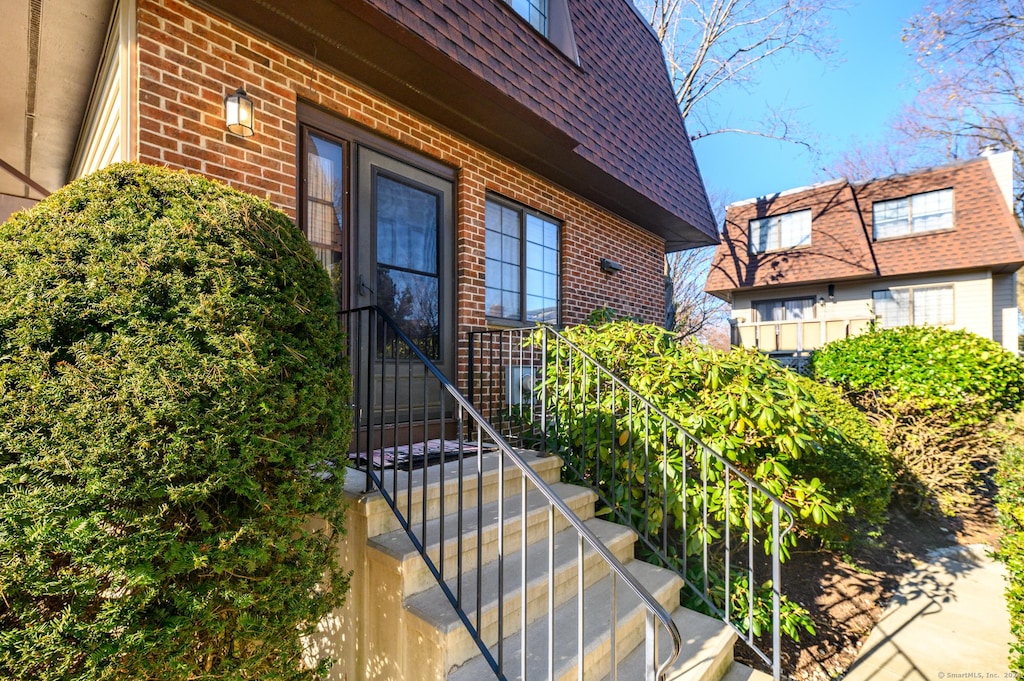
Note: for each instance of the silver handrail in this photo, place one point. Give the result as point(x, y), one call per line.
point(377, 343)
point(538, 417)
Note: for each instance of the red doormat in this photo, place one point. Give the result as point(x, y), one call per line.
point(419, 454)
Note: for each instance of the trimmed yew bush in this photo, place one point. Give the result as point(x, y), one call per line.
point(172, 400)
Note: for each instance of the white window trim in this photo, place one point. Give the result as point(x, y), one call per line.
point(950, 321)
point(776, 227)
point(910, 215)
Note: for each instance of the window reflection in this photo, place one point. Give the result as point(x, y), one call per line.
point(408, 289)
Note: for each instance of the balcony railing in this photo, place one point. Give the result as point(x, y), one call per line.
point(404, 404)
point(797, 335)
point(693, 510)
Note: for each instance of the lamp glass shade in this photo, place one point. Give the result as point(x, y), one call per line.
point(238, 113)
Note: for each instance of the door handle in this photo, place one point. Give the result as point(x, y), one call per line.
point(364, 290)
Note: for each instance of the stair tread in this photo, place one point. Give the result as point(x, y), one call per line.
point(433, 606)
point(706, 652)
point(489, 462)
point(662, 583)
point(741, 672)
point(398, 545)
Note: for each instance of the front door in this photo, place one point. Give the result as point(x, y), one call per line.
point(403, 264)
point(404, 255)
point(381, 220)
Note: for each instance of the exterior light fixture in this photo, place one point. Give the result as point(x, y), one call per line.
point(238, 113)
point(610, 266)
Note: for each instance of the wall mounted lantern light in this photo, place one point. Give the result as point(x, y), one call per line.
point(238, 113)
point(610, 266)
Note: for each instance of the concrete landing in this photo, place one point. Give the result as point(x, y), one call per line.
point(947, 621)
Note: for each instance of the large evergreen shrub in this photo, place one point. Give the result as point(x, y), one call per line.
point(764, 419)
point(856, 466)
point(1010, 506)
point(172, 396)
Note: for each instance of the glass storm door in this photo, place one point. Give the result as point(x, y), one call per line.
point(404, 265)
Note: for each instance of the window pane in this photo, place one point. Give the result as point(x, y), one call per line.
point(550, 286)
point(407, 226)
point(510, 302)
point(760, 231)
point(794, 229)
point(510, 277)
point(324, 186)
point(493, 303)
point(534, 255)
point(933, 305)
point(510, 249)
point(932, 211)
point(534, 11)
point(891, 218)
point(550, 260)
point(412, 301)
point(534, 282)
point(892, 307)
point(799, 309)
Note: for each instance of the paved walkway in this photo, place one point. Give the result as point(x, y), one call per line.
point(947, 621)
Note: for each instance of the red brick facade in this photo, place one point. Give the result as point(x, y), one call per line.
point(189, 59)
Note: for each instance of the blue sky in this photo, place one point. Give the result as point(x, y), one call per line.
point(840, 105)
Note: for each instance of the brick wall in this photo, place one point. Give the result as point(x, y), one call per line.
point(189, 59)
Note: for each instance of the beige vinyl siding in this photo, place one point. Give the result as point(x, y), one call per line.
point(1004, 310)
point(105, 132)
point(981, 301)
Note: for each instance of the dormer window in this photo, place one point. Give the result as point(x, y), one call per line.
point(534, 11)
point(551, 19)
point(928, 212)
point(780, 231)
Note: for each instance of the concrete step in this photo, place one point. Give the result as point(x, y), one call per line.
point(433, 607)
point(598, 631)
point(462, 542)
point(741, 672)
point(706, 654)
point(381, 519)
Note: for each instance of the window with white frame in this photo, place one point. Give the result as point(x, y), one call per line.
point(793, 309)
point(522, 268)
point(780, 231)
point(914, 306)
point(927, 212)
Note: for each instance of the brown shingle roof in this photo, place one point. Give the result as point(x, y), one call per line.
point(618, 104)
point(985, 234)
point(608, 128)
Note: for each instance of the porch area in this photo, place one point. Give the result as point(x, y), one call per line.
point(800, 335)
point(481, 549)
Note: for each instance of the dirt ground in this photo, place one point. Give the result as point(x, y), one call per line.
point(847, 594)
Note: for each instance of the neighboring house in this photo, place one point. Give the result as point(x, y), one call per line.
point(937, 246)
point(459, 163)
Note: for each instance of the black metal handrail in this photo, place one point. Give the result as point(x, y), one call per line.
point(545, 392)
point(402, 400)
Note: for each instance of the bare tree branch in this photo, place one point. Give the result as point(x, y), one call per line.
point(711, 44)
point(972, 95)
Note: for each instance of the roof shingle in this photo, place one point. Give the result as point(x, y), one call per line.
point(985, 233)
